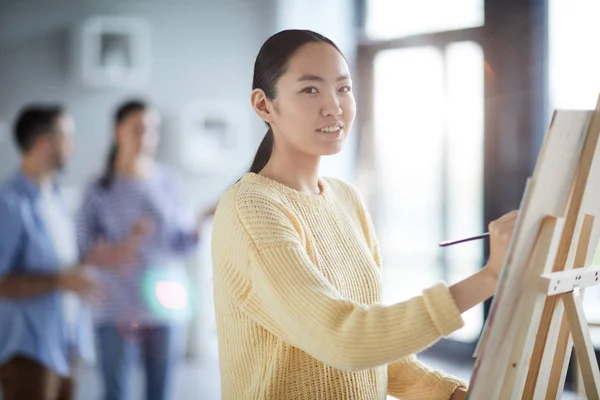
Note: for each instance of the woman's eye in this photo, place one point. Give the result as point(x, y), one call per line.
point(310, 90)
point(345, 89)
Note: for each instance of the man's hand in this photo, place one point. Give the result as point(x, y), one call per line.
point(75, 280)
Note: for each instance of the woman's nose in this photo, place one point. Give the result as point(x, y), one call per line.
point(332, 107)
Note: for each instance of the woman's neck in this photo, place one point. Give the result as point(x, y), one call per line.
point(298, 171)
point(139, 167)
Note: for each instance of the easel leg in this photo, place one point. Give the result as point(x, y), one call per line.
point(584, 348)
point(555, 339)
point(541, 373)
point(579, 387)
point(562, 351)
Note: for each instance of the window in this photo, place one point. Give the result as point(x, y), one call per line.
point(388, 19)
point(574, 80)
point(428, 124)
point(574, 65)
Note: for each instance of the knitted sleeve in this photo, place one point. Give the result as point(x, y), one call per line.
point(409, 378)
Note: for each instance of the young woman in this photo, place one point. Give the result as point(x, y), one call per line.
point(297, 268)
point(138, 198)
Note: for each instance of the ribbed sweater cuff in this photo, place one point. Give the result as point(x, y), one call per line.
point(446, 387)
point(442, 309)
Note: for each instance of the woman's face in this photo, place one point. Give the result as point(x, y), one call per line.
point(314, 106)
point(138, 134)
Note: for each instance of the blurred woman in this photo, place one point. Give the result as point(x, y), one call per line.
point(146, 305)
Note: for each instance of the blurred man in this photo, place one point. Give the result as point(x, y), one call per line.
point(43, 324)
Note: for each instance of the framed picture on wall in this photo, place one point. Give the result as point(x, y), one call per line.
point(214, 137)
point(113, 51)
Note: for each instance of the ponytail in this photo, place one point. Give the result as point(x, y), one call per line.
point(263, 154)
point(107, 179)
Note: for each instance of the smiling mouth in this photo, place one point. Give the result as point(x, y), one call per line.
point(330, 129)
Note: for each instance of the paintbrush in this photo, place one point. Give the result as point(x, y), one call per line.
point(451, 242)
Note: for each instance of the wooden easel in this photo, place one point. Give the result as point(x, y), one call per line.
point(569, 286)
point(536, 315)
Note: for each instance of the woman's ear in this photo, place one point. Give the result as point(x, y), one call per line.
point(260, 103)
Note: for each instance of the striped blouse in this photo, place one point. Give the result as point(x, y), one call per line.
point(132, 292)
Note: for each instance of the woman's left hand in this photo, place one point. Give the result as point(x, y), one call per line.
point(204, 216)
point(459, 394)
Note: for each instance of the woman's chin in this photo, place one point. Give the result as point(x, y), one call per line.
point(329, 145)
point(331, 149)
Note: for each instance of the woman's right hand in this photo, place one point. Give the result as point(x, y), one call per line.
point(481, 285)
point(501, 231)
point(103, 254)
point(143, 227)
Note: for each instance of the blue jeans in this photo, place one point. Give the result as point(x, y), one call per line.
point(159, 347)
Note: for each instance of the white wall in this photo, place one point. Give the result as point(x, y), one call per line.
point(201, 50)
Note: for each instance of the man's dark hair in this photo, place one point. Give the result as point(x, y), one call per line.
point(34, 121)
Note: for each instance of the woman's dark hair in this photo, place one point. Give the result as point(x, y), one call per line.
point(271, 63)
point(122, 112)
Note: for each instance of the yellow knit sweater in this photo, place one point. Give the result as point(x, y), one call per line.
point(297, 286)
